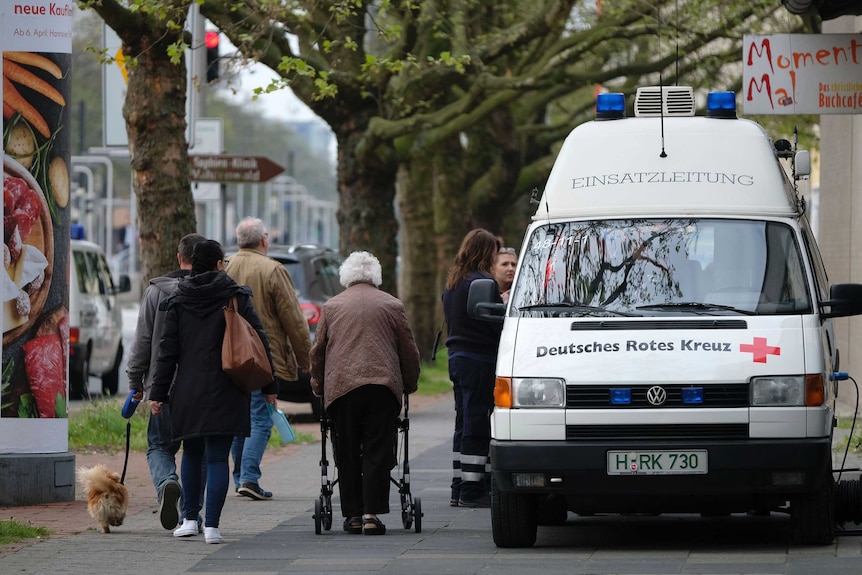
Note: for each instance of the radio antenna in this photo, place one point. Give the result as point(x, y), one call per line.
point(663, 154)
point(676, 8)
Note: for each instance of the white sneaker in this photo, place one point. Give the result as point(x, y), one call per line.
point(212, 535)
point(187, 529)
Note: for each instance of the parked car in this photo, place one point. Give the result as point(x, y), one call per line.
point(95, 320)
point(314, 271)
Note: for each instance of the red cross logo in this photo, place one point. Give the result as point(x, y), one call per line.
point(759, 349)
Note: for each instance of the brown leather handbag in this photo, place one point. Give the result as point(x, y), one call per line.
point(243, 356)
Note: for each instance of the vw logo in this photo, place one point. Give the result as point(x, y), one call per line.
point(656, 395)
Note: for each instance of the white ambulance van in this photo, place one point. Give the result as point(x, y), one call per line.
point(667, 347)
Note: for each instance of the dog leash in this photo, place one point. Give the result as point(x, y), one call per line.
point(128, 441)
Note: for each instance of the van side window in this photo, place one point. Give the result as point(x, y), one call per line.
point(821, 280)
point(88, 281)
point(106, 282)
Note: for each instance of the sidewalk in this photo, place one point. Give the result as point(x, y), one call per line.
point(291, 472)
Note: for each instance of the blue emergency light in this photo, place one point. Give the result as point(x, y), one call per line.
point(76, 231)
point(610, 106)
point(692, 395)
point(721, 105)
point(621, 396)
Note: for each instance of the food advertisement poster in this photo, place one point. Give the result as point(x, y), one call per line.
point(36, 46)
point(802, 74)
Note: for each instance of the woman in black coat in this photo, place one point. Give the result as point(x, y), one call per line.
point(207, 409)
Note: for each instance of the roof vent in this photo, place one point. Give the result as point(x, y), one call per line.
point(677, 101)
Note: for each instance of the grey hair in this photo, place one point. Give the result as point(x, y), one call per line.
point(360, 267)
point(250, 232)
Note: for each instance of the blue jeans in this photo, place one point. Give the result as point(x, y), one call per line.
point(248, 451)
point(162, 453)
point(205, 457)
point(161, 449)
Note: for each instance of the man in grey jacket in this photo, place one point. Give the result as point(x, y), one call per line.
point(161, 448)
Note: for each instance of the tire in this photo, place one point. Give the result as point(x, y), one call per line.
point(406, 511)
point(79, 381)
point(326, 501)
point(514, 518)
point(111, 379)
point(318, 516)
point(417, 515)
point(812, 515)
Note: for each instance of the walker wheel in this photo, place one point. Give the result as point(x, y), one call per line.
point(326, 502)
point(318, 515)
point(417, 514)
point(406, 511)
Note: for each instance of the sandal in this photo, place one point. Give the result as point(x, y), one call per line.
point(373, 526)
point(353, 525)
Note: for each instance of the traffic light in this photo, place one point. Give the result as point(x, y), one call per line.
point(211, 42)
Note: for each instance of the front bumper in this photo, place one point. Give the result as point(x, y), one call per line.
point(742, 475)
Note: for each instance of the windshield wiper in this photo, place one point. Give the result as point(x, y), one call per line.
point(591, 309)
point(696, 306)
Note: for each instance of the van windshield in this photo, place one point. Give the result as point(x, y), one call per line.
point(657, 267)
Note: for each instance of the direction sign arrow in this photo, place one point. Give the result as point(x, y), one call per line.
point(240, 169)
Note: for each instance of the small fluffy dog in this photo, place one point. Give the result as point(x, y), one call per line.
point(107, 498)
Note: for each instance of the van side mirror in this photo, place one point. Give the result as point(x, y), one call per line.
point(802, 164)
point(481, 301)
point(844, 300)
point(125, 284)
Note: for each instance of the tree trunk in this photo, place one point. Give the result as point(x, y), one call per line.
point(366, 213)
point(418, 281)
point(155, 111)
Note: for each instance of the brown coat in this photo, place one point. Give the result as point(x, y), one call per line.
point(363, 338)
point(275, 301)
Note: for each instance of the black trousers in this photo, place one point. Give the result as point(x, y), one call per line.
point(365, 432)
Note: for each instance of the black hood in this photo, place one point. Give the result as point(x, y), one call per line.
point(205, 293)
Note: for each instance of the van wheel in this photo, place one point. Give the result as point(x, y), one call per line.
point(812, 515)
point(79, 381)
point(514, 518)
point(111, 379)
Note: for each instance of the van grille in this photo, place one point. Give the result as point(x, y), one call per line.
point(714, 395)
point(677, 101)
point(661, 431)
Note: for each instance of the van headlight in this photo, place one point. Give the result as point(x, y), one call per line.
point(778, 390)
point(539, 392)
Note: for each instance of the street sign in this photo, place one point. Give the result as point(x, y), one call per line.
point(240, 169)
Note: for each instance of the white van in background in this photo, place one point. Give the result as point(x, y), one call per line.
point(95, 320)
point(668, 344)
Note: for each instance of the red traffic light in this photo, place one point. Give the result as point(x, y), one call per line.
point(211, 39)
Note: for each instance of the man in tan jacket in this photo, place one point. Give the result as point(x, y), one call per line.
point(275, 301)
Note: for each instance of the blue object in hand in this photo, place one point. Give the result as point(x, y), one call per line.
point(130, 405)
point(279, 420)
